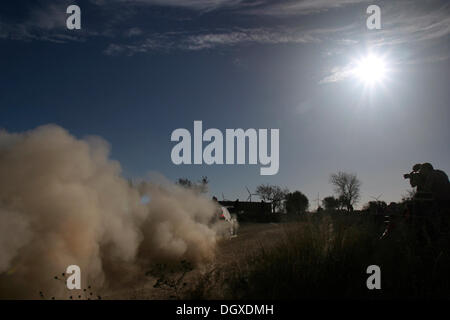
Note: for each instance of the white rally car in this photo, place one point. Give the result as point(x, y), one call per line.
point(231, 219)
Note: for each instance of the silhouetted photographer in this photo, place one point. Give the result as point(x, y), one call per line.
point(432, 185)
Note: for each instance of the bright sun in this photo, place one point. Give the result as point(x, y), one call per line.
point(370, 70)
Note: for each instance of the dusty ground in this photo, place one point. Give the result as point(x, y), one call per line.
point(250, 237)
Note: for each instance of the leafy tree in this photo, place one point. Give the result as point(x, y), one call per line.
point(376, 207)
point(409, 195)
point(198, 187)
point(272, 193)
point(184, 182)
point(330, 203)
point(296, 203)
point(347, 187)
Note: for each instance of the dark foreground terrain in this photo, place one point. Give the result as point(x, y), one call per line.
point(317, 256)
point(164, 283)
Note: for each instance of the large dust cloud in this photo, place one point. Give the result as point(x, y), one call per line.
point(64, 202)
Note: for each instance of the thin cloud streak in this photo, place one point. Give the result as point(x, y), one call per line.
point(306, 7)
point(224, 38)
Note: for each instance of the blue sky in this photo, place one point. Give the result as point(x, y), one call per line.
point(137, 70)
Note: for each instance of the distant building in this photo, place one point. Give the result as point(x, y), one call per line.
point(250, 211)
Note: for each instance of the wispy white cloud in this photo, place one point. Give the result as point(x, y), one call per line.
point(403, 24)
point(147, 45)
point(192, 4)
point(219, 39)
point(132, 32)
point(50, 17)
point(46, 22)
point(301, 7)
point(259, 35)
point(408, 26)
point(336, 74)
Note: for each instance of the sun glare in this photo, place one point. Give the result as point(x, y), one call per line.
point(370, 70)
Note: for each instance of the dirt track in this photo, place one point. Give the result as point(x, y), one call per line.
point(250, 236)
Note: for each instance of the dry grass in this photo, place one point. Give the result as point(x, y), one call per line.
point(326, 256)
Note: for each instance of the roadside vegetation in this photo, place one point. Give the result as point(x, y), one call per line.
point(325, 255)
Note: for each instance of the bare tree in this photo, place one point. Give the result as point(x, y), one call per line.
point(274, 194)
point(347, 187)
